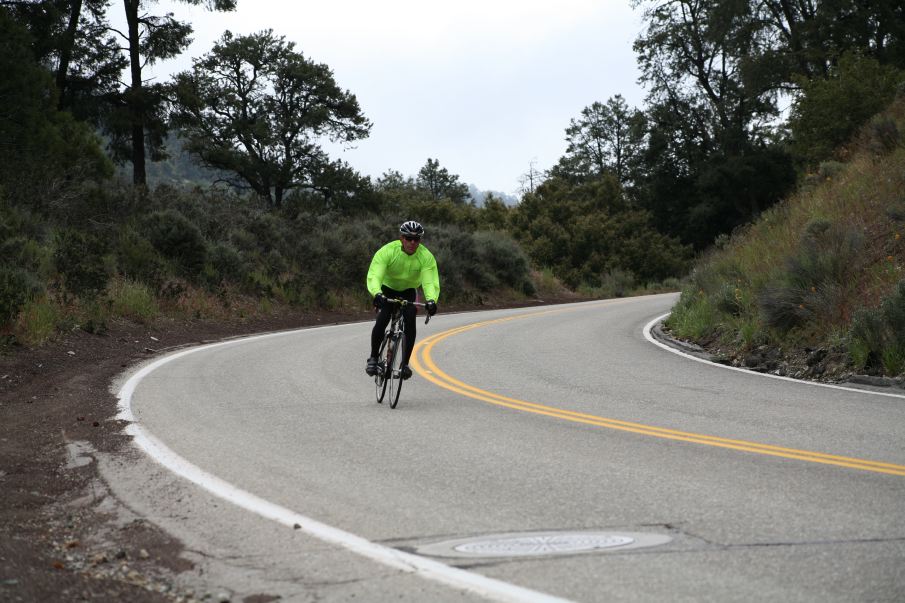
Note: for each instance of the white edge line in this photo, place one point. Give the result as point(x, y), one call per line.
point(429, 569)
point(653, 340)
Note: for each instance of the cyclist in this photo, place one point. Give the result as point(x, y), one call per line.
point(397, 270)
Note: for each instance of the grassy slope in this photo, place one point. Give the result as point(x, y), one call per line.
point(794, 281)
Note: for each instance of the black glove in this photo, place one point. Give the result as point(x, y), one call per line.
point(431, 307)
point(379, 300)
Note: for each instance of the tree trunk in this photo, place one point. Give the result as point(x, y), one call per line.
point(66, 47)
point(134, 98)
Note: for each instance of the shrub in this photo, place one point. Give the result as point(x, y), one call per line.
point(694, 317)
point(896, 211)
point(79, 259)
point(894, 359)
point(37, 322)
point(503, 259)
point(830, 169)
point(26, 253)
point(332, 255)
point(242, 240)
point(546, 283)
point(94, 317)
point(617, 283)
point(17, 286)
point(134, 300)
point(269, 231)
point(457, 262)
point(137, 258)
point(275, 263)
point(729, 299)
point(813, 285)
point(174, 236)
point(876, 339)
point(881, 135)
point(829, 111)
point(225, 262)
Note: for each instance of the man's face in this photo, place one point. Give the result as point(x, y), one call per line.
point(409, 244)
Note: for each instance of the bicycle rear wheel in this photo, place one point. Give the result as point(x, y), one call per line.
point(380, 379)
point(395, 368)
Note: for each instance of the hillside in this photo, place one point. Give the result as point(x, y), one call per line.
point(816, 287)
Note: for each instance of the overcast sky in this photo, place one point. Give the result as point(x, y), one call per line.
point(485, 86)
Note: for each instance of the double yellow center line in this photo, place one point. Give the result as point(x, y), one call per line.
point(424, 364)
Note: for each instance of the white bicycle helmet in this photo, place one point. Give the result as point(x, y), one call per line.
point(411, 229)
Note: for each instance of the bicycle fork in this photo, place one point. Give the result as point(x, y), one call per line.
point(391, 350)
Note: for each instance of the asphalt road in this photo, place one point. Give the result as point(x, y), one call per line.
point(562, 418)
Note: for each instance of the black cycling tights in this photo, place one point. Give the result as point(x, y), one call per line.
point(383, 319)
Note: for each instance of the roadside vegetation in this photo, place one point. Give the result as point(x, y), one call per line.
point(816, 286)
point(231, 208)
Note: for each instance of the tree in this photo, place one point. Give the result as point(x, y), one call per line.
point(341, 188)
point(810, 35)
point(607, 137)
point(140, 120)
point(696, 193)
point(43, 152)
point(727, 62)
point(715, 73)
point(713, 107)
point(256, 108)
point(72, 38)
point(694, 57)
point(583, 232)
point(829, 111)
point(393, 180)
point(530, 180)
point(440, 183)
point(494, 214)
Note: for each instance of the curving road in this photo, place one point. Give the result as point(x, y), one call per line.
point(537, 420)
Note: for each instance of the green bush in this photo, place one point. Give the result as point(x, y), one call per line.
point(812, 286)
point(79, 259)
point(137, 258)
point(242, 240)
point(693, 317)
point(178, 239)
point(876, 340)
point(830, 169)
point(896, 211)
point(456, 260)
point(729, 300)
point(38, 321)
point(275, 263)
point(347, 250)
point(830, 111)
point(28, 254)
point(882, 135)
point(225, 262)
point(17, 286)
point(617, 283)
point(131, 299)
point(503, 260)
point(269, 231)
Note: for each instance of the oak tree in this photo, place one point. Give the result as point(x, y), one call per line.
point(255, 107)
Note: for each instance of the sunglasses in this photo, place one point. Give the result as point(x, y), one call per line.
point(410, 239)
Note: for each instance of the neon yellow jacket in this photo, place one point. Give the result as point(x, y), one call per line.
point(392, 267)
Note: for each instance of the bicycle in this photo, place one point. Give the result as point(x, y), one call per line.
point(392, 353)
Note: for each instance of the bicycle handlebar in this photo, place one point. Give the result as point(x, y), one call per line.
point(405, 302)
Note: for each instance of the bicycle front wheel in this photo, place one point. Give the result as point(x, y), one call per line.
point(381, 378)
point(394, 372)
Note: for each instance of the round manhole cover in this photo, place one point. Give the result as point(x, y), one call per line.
point(540, 543)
